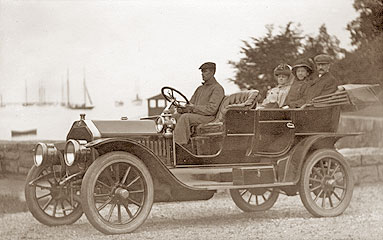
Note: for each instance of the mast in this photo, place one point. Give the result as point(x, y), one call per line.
point(26, 93)
point(86, 92)
point(67, 87)
point(84, 86)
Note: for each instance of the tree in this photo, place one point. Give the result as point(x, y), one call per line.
point(323, 43)
point(369, 24)
point(262, 55)
point(365, 63)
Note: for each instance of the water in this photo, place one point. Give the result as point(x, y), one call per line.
point(53, 122)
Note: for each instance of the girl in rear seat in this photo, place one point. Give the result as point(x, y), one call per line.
point(275, 97)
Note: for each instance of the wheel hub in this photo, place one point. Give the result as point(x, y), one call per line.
point(123, 193)
point(328, 184)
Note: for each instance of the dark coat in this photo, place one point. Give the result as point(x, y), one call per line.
point(319, 86)
point(295, 98)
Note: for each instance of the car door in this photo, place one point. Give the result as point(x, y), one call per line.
point(274, 132)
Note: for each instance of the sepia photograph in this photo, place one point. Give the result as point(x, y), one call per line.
point(191, 119)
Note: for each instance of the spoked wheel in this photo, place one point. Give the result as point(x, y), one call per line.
point(118, 193)
point(254, 199)
point(326, 184)
point(49, 202)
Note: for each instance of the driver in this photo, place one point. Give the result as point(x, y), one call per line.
point(203, 105)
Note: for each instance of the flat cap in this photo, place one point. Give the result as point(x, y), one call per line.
point(322, 58)
point(210, 65)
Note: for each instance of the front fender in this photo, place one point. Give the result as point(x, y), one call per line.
point(167, 187)
point(308, 144)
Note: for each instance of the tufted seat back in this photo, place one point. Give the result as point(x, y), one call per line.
point(244, 100)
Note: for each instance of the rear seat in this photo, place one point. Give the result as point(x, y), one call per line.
point(243, 100)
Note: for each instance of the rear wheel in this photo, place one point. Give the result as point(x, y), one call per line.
point(326, 184)
point(254, 199)
point(49, 202)
point(118, 193)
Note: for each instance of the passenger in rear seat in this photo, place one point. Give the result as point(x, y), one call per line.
point(203, 105)
point(276, 97)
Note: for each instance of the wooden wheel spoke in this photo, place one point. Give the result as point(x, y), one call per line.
point(256, 200)
point(47, 203)
point(328, 166)
point(126, 175)
point(317, 172)
point(263, 196)
point(111, 211)
point(315, 180)
point(341, 187)
point(117, 173)
point(62, 207)
point(135, 202)
point(133, 181)
point(323, 199)
point(315, 188)
point(316, 198)
point(55, 208)
point(43, 196)
point(137, 191)
point(100, 195)
point(243, 193)
point(248, 201)
point(335, 171)
point(336, 195)
point(330, 200)
point(108, 173)
point(104, 204)
point(119, 213)
point(104, 184)
point(43, 187)
point(126, 206)
point(322, 167)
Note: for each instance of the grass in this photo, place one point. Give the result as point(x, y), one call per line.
point(12, 204)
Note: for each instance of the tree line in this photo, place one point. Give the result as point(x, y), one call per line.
point(363, 64)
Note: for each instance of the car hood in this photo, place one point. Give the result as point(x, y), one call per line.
point(94, 129)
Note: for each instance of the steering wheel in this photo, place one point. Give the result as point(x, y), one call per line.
point(173, 95)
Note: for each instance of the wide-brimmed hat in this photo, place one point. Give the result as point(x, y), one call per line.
point(282, 68)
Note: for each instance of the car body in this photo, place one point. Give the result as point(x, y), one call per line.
point(114, 170)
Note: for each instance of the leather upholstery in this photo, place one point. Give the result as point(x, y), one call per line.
point(244, 100)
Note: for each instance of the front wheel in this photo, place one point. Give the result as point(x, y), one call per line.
point(254, 199)
point(326, 183)
point(118, 193)
point(50, 202)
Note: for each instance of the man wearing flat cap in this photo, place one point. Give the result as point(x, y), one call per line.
point(203, 105)
point(324, 82)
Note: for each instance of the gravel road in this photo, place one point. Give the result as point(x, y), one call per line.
point(219, 218)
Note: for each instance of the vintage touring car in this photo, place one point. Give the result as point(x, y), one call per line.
point(114, 170)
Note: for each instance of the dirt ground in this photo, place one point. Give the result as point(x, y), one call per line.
point(219, 218)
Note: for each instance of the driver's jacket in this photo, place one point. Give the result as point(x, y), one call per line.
point(207, 98)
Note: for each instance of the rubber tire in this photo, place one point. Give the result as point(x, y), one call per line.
point(246, 207)
point(35, 209)
point(304, 190)
point(87, 189)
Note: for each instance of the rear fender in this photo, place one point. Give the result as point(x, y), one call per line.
point(305, 147)
point(166, 186)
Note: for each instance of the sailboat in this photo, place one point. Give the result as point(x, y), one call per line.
point(84, 105)
point(1, 101)
point(26, 103)
point(137, 101)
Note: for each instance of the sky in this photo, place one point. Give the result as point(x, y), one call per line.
point(139, 46)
